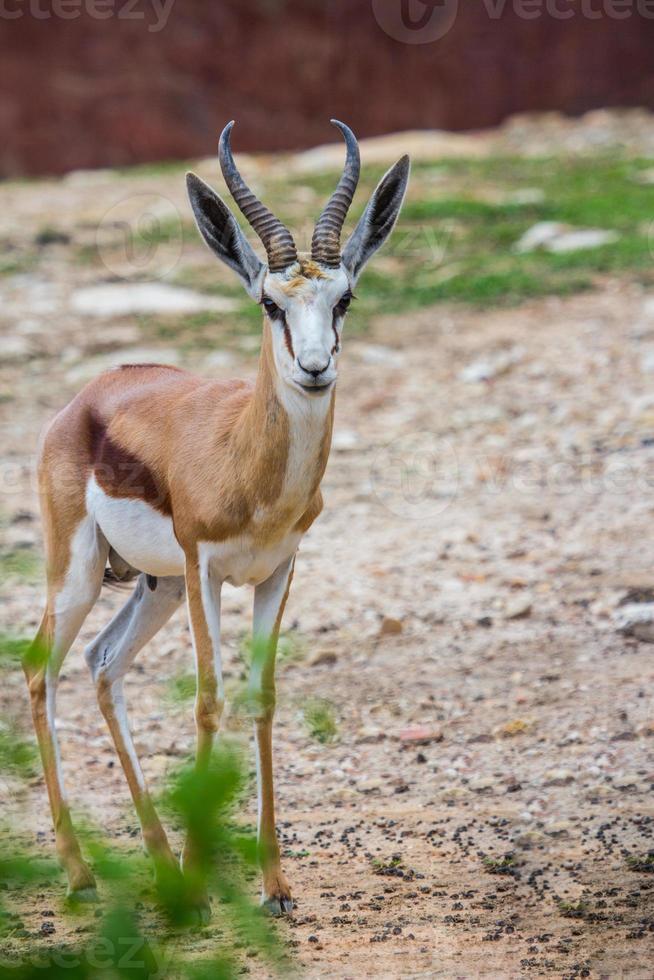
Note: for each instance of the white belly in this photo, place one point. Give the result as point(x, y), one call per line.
point(139, 533)
point(238, 562)
point(146, 540)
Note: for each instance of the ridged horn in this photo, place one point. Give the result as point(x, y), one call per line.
point(326, 241)
point(277, 239)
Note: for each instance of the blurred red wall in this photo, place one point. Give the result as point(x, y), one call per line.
point(88, 92)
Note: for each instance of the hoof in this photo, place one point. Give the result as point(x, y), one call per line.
point(277, 905)
point(82, 896)
point(185, 904)
point(200, 914)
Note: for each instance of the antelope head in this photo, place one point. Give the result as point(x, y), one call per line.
point(304, 297)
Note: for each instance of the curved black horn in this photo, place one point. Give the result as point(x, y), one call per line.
point(276, 237)
point(326, 241)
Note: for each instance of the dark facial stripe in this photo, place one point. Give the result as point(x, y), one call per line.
point(336, 340)
point(288, 340)
point(122, 474)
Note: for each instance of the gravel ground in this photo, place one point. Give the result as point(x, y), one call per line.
point(485, 809)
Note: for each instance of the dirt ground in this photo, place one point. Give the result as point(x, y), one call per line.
point(489, 501)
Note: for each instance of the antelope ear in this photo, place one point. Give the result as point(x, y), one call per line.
point(377, 221)
point(222, 234)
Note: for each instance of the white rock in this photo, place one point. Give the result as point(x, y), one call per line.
point(344, 440)
point(559, 777)
point(88, 178)
point(249, 342)
point(370, 785)
point(423, 145)
point(627, 780)
point(487, 368)
point(539, 235)
point(519, 608)
point(15, 348)
point(117, 336)
point(648, 307)
point(584, 238)
point(554, 236)
point(481, 784)
point(220, 359)
point(105, 362)
point(453, 793)
point(377, 354)
point(29, 327)
point(41, 298)
point(598, 791)
point(526, 195)
point(125, 298)
point(342, 795)
point(647, 362)
point(477, 371)
point(636, 619)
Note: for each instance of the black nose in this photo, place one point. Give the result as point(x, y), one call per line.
point(314, 374)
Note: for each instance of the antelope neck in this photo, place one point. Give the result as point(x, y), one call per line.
point(288, 428)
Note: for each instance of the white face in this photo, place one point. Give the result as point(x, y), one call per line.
point(306, 313)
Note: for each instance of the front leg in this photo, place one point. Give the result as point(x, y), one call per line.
point(269, 601)
point(203, 591)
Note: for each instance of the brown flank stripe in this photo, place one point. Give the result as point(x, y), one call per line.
point(120, 473)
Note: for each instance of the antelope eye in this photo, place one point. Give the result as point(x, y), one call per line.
point(271, 308)
point(343, 304)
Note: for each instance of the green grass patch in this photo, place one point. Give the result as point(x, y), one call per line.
point(181, 689)
point(12, 650)
point(17, 756)
point(455, 241)
point(641, 862)
point(15, 262)
point(499, 866)
point(19, 563)
point(320, 720)
point(389, 868)
point(208, 331)
point(290, 648)
point(157, 923)
point(457, 235)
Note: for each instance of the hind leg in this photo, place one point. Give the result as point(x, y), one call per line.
point(109, 657)
point(269, 602)
point(69, 601)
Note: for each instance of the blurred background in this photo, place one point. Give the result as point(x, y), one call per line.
point(465, 715)
point(93, 83)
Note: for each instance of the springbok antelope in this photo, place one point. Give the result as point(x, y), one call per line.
point(187, 483)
